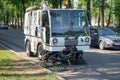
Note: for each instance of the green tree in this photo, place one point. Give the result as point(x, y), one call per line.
point(100, 11)
point(5, 11)
point(56, 3)
point(117, 11)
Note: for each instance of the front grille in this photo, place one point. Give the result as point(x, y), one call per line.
point(116, 46)
point(117, 41)
point(71, 42)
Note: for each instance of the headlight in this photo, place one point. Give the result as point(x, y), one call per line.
point(55, 41)
point(87, 40)
point(108, 41)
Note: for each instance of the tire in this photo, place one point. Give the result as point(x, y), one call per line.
point(101, 45)
point(40, 51)
point(27, 49)
point(6, 28)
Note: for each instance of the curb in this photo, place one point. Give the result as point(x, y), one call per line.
point(31, 61)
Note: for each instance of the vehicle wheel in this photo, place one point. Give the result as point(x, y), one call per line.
point(40, 52)
point(27, 48)
point(6, 28)
point(101, 45)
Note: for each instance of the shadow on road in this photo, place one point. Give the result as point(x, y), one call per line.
point(99, 66)
point(2, 47)
point(110, 49)
point(12, 47)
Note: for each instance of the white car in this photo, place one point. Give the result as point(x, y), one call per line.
point(3, 26)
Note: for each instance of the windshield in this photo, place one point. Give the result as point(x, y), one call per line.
point(106, 32)
point(69, 22)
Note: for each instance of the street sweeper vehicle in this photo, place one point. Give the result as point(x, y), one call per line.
point(56, 35)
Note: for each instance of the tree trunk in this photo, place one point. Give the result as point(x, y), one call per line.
point(7, 17)
point(18, 9)
point(12, 20)
point(99, 19)
point(89, 11)
point(15, 22)
point(109, 18)
point(54, 3)
point(102, 12)
point(23, 4)
point(60, 4)
point(69, 4)
point(119, 21)
point(21, 23)
point(17, 15)
point(22, 15)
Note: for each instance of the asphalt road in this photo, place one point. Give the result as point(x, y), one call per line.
point(15, 40)
point(100, 64)
point(12, 39)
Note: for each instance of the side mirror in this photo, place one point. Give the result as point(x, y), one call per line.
point(116, 33)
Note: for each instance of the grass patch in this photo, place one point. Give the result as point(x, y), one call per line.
point(46, 76)
point(12, 67)
point(5, 58)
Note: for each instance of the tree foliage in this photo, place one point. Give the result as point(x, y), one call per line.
point(117, 11)
point(101, 12)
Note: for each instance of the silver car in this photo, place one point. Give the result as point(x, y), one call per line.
point(3, 26)
point(104, 38)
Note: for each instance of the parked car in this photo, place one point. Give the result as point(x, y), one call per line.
point(3, 26)
point(104, 38)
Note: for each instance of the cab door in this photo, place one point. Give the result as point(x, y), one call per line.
point(45, 31)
